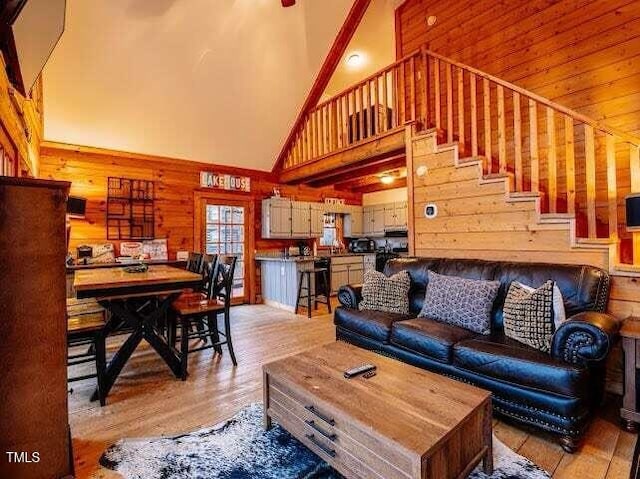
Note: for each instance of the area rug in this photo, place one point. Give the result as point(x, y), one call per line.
point(241, 449)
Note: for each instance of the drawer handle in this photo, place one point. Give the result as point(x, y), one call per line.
point(325, 449)
point(316, 428)
point(318, 414)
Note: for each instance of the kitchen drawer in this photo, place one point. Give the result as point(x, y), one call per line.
point(337, 433)
point(338, 260)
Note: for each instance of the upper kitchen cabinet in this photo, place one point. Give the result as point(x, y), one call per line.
point(395, 215)
point(373, 220)
point(354, 222)
point(300, 219)
point(283, 218)
point(317, 219)
point(276, 218)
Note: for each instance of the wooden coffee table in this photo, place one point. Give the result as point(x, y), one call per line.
point(402, 423)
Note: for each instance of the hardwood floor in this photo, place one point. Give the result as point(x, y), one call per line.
point(148, 401)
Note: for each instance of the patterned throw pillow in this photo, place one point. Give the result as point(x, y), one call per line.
point(559, 313)
point(466, 303)
point(391, 294)
point(528, 315)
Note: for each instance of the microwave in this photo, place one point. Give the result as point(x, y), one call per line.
point(362, 245)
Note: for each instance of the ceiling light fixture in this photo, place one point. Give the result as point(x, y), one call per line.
point(355, 60)
point(431, 20)
point(387, 179)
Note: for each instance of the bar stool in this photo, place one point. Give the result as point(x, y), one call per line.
point(319, 273)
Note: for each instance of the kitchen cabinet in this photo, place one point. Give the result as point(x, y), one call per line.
point(354, 223)
point(300, 219)
point(395, 215)
point(346, 270)
point(276, 218)
point(283, 218)
point(373, 217)
point(317, 219)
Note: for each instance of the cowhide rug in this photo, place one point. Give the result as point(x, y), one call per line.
point(241, 449)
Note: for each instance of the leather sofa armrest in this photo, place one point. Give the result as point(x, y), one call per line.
point(350, 295)
point(585, 338)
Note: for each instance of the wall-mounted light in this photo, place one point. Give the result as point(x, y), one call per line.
point(387, 179)
point(421, 171)
point(355, 60)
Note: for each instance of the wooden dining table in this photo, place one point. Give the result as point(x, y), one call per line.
point(139, 300)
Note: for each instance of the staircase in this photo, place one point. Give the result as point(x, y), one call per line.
point(576, 170)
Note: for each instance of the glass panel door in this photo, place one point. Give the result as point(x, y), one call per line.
point(225, 235)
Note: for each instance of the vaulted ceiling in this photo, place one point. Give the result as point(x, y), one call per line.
point(215, 81)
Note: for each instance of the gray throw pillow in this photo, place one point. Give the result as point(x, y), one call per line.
point(389, 294)
point(466, 303)
point(528, 315)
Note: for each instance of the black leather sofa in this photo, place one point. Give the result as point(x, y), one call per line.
point(556, 392)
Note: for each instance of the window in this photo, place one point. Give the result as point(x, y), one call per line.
point(329, 232)
point(225, 236)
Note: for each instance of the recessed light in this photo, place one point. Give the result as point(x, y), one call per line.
point(386, 179)
point(355, 60)
point(431, 20)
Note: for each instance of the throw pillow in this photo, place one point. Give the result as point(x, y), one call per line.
point(559, 314)
point(389, 294)
point(462, 302)
point(528, 315)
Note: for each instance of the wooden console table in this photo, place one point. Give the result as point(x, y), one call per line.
point(630, 411)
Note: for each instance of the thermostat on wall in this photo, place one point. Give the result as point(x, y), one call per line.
point(430, 210)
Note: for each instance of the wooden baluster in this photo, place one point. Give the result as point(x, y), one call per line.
point(412, 83)
point(590, 171)
point(634, 165)
point(327, 128)
point(321, 131)
point(361, 111)
point(425, 90)
point(461, 138)
point(402, 93)
point(552, 162)
point(487, 124)
point(370, 108)
point(353, 137)
point(339, 122)
point(312, 140)
point(449, 81)
point(395, 119)
point(376, 105)
point(533, 147)
point(474, 115)
point(436, 87)
point(517, 142)
point(307, 155)
point(296, 155)
point(612, 188)
point(334, 125)
point(570, 164)
point(502, 132)
point(385, 102)
point(318, 119)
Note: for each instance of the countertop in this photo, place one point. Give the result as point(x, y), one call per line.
point(299, 259)
point(115, 264)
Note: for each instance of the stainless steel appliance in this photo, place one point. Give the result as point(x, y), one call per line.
point(382, 257)
point(362, 245)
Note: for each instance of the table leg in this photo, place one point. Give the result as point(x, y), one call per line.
point(265, 400)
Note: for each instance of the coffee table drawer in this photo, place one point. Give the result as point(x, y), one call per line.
point(330, 429)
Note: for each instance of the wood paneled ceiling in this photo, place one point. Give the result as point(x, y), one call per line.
point(219, 82)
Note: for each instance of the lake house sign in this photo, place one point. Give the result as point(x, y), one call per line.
point(225, 182)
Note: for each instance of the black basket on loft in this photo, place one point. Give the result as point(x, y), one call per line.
point(130, 209)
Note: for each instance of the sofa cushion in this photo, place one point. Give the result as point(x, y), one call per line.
point(382, 293)
point(462, 302)
point(507, 360)
point(428, 337)
point(372, 324)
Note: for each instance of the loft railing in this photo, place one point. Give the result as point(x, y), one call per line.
point(579, 166)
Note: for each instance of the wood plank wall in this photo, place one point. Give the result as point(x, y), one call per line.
point(28, 113)
point(582, 54)
point(176, 183)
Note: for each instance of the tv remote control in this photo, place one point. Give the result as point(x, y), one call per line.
point(352, 372)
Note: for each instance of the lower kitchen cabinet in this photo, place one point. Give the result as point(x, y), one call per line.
point(346, 270)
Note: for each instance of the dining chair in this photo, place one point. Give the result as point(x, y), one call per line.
point(194, 262)
point(206, 311)
point(86, 321)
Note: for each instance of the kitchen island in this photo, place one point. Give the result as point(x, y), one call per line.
point(280, 275)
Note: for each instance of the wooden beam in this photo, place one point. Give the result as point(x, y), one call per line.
point(388, 144)
point(350, 173)
point(354, 17)
point(399, 183)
